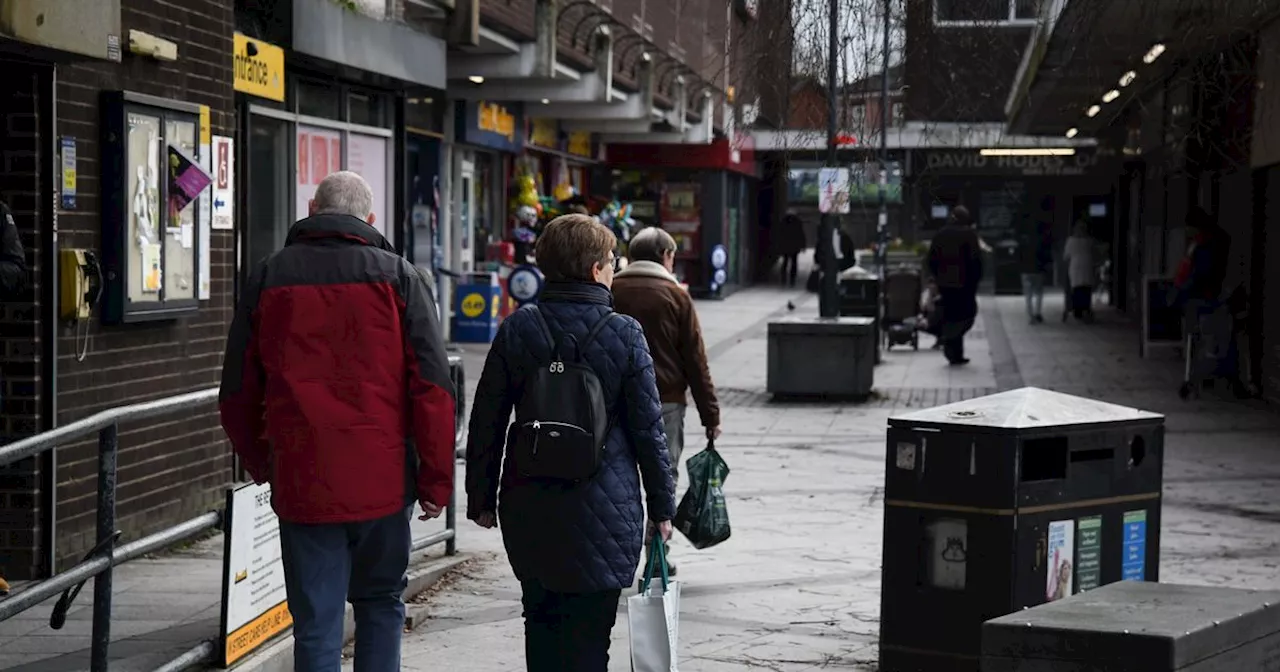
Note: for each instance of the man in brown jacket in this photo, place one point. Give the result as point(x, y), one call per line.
point(647, 291)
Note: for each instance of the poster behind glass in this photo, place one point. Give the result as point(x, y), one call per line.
point(179, 235)
point(319, 154)
point(144, 216)
point(367, 156)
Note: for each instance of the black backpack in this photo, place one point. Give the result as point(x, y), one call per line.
point(562, 420)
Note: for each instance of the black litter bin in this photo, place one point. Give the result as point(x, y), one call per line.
point(860, 297)
point(1005, 502)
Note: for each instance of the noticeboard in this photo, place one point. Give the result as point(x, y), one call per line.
point(1161, 319)
point(254, 604)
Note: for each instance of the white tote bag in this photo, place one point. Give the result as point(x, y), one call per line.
point(653, 617)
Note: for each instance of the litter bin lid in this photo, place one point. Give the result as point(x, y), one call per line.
point(822, 326)
point(1028, 408)
point(1172, 626)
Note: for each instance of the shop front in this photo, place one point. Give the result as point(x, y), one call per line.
point(705, 196)
point(1004, 193)
point(309, 105)
point(487, 138)
point(560, 162)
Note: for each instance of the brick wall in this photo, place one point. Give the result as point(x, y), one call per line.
point(24, 167)
point(175, 467)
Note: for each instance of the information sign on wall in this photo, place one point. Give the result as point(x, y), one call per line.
point(254, 604)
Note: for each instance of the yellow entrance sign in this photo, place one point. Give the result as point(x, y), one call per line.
point(259, 68)
point(473, 305)
point(255, 633)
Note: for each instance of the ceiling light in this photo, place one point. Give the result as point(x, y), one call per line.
point(1093, 110)
point(546, 101)
point(1110, 96)
point(1127, 78)
point(1071, 132)
point(1042, 151)
point(1153, 53)
point(476, 79)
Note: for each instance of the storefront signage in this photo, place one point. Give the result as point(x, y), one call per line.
point(580, 144)
point(544, 133)
point(495, 118)
point(254, 605)
point(259, 68)
point(974, 163)
point(494, 125)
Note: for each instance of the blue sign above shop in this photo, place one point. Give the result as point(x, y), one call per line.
point(494, 125)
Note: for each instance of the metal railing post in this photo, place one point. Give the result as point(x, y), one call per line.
point(108, 443)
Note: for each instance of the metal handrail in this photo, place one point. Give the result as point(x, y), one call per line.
point(106, 554)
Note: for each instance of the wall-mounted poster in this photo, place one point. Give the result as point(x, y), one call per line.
point(319, 153)
point(367, 156)
point(681, 212)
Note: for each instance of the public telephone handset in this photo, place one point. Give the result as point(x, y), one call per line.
point(81, 285)
point(80, 289)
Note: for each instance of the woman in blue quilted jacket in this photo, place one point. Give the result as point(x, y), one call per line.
point(574, 546)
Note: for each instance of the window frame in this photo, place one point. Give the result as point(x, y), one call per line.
point(117, 231)
point(1011, 18)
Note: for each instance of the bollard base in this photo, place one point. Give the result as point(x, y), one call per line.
point(1135, 626)
point(823, 358)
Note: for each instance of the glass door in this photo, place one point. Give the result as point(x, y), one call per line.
point(269, 212)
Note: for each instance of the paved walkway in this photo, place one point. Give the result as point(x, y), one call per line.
point(797, 587)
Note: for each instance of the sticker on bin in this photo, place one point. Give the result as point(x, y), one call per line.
point(1088, 553)
point(1133, 565)
point(473, 305)
point(1060, 580)
point(906, 455)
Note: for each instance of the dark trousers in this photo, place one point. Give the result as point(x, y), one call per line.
point(567, 632)
point(789, 269)
point(953, 348)
point(1081, 301)
point(327, 565)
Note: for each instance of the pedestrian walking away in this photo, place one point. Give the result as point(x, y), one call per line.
point(335, 366)
point(563, 482)
point(649, 292)
point(955, 261)
point(1078, 255)
point(791, 241)
point(1035, 259)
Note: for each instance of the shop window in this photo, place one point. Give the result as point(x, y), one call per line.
point(269, 214)
point(152, 181)
point(366, 109)
point(318, 100)
point(986, 11)
point(424, 114)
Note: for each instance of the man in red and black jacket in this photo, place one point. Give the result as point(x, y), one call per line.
point(336, 391)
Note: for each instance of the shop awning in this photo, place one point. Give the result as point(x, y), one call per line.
point(1104, 52)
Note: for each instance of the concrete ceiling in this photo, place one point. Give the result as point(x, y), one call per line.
point(1094, 43)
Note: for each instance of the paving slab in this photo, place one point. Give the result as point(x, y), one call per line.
point(797, 586)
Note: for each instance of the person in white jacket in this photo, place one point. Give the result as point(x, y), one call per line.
point(1078, 255)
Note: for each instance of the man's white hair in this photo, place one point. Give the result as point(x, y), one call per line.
point(344, 193)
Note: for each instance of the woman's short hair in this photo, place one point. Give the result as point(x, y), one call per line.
point(651, 244)
point(571, 245)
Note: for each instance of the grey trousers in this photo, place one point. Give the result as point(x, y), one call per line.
point(673, 425)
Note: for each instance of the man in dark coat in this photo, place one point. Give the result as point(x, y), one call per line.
point(790, 243)
point(336, 391)
point(955, 262)
point(574, 547)
point(1035, 258)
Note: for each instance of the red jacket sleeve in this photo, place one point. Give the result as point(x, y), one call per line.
point(240, 398)
point(431, 393)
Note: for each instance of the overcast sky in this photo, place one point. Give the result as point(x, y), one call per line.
point(861, 26)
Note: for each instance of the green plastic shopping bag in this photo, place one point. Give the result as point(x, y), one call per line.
point(702, 516)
